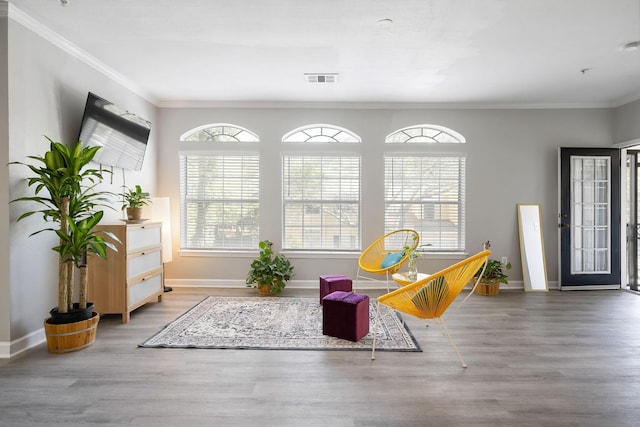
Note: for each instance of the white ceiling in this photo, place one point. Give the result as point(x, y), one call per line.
point(467, 52)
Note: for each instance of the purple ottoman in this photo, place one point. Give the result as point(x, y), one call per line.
point(345, 315)
point(332, 283)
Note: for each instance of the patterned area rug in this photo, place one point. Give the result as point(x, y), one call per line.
point(274, 323)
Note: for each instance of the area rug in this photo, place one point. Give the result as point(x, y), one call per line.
point(274, 323)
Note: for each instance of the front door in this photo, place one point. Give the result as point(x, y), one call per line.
point(589, 218)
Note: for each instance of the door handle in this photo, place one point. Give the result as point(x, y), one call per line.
point(564, 225)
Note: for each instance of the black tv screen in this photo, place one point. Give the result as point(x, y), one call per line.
point(123, 136)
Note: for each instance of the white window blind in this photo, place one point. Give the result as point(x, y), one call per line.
point(321, 202)
point(219, 201)
point(426, 193)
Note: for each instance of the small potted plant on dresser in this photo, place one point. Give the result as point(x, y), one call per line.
point(269, 271)
point(133, 201)
point(492, 277)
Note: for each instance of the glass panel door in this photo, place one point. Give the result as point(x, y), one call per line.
point(590, 218)
point(591, 211)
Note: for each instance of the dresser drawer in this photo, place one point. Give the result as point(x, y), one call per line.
point(143, 262)
point(140, 237)
point(142, 289)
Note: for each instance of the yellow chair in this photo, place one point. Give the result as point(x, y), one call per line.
point(386, 255)
point(429, 298)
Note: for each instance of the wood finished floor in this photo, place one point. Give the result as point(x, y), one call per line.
point(535, 359)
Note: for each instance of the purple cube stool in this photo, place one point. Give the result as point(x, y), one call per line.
point(345, 315)
point(332, 283)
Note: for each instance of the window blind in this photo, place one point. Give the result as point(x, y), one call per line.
point(219, 201)
point(321, 202)
point(426, 193)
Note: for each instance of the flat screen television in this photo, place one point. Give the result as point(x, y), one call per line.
point(123, 136)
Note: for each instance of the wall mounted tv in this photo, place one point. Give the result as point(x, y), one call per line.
point(123, 136)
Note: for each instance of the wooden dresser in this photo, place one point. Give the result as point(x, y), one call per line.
point(131, 277)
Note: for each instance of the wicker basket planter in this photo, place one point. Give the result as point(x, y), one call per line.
point(68, 337)
point(488, 288)
point(265, 290)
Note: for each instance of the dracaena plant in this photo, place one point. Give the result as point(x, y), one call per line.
point(78, 243)
point(65, 187)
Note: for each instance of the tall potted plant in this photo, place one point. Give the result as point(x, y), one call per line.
point(65, 188)
point(269, 271)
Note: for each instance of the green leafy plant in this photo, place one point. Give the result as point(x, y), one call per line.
point(269, 269)
point(65, 187)
point(78, 243)
point(134, 197)
point(494, 272)
point(412, 252)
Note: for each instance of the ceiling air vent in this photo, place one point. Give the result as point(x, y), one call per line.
point(321, 78)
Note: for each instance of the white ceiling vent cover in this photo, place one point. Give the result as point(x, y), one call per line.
point(321, 78)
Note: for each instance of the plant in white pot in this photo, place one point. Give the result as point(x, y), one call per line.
point(65, 188)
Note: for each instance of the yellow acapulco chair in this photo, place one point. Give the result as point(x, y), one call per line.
point(386, 255)
point(429, 298)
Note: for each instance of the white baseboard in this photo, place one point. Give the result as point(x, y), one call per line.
point(13, 348)
point(232, 283)
point(299, 284)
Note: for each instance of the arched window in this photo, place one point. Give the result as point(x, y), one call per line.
point(431, 134)
point(426, 192)
point(321, 192)
point(219, 189)
point(321, 133)
point(221, 132)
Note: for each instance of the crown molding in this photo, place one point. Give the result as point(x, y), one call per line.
point(376, 105)
point(56, 39)
point(627, 100)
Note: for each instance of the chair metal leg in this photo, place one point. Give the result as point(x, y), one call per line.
point(386, 273)
point(453, 344)
point(375, 329)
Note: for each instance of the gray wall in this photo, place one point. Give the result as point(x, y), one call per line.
point(511, 158)
point(626, 122)
point(47, 91)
